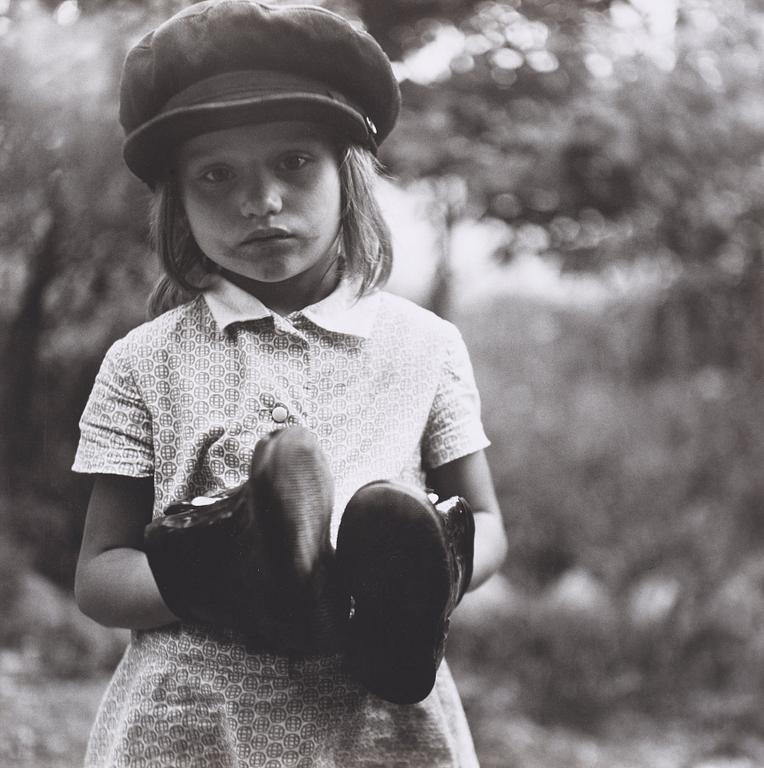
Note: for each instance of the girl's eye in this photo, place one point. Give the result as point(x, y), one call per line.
point(216, 175)
point(294, 162)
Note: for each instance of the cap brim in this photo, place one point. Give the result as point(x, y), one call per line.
point(148, 150)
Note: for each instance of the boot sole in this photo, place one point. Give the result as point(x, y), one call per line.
point(393, 562)
point(293, 484)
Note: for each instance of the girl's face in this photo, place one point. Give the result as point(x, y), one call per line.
point(263, 202)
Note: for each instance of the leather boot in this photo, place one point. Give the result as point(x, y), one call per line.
point(257, 558)
point(404, 563)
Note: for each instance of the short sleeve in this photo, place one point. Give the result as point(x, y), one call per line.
point(116, 427)
point(454, 428)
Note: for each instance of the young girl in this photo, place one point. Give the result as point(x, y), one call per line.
point(256, 128)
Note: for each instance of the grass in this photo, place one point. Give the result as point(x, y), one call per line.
point(44, 720)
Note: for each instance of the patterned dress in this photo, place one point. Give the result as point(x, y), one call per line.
point(388, 389)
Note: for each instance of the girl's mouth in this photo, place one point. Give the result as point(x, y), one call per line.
point(267, 234)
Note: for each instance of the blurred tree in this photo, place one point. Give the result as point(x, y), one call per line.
point(623, 134)
point(72, 252)
point(468, 70)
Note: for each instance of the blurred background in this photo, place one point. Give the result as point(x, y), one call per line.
point(579, 186)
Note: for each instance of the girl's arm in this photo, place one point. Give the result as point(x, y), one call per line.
point(114, 584)
point(470, 477)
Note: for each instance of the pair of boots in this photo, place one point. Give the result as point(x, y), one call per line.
point(258, 559)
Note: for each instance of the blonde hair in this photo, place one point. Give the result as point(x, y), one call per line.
point(366, 244)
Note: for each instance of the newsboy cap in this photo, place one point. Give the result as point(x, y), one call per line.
point(225, 63)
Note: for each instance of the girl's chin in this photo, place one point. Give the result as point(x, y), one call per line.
point(270, 269)
point(252, 278)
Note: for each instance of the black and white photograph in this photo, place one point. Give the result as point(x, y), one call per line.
point(382, 384)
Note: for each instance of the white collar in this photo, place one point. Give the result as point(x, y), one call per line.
point(340, 312)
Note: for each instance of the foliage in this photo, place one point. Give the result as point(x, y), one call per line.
point(564, 116)
point(634, 512)
point(73, 262)
point(599, 134)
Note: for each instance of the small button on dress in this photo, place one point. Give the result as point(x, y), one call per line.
point(279, 414)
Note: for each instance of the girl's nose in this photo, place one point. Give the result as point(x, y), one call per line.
point(260, 197)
